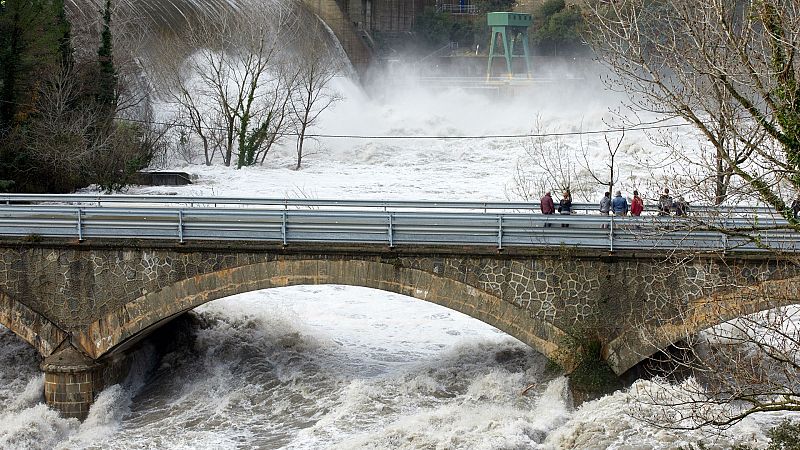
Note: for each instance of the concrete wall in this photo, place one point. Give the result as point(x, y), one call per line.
point(352, 42)
point(385, 15)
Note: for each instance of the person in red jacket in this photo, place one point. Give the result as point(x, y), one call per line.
point(637, 204)
point(548, 207)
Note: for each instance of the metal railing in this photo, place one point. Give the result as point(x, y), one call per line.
point(457, 8)
point(391, 223)
point(305, 203)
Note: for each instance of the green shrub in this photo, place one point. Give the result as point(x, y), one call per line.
point(785, 436)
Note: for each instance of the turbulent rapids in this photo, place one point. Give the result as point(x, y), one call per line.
point(343, 367)
point(310, 368)
point(328, 367)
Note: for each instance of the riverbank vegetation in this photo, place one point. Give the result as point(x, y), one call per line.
point(79, 92)
point(235, 86)
point(61, 105)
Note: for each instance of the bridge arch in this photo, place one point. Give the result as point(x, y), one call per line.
point(119, 329)
point(30, 326)
point(638, 343)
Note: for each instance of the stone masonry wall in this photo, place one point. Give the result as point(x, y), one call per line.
point(73, 285)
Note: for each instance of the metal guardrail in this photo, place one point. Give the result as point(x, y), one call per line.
point(457, 8)
point(283, 203)
point(286, 222)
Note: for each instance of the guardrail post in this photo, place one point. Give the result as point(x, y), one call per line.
point(500, 232)
point(80, 225)
point(180, 226)
point(391, 231)
point(283, 227)
point(611, 234)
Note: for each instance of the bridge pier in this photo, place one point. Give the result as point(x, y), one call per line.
point(72, 380)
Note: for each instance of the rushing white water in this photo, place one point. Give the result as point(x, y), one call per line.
point(344, 367)
point(334, 367)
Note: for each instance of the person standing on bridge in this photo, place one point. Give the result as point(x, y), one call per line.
point(619, 205)
point(637, 204)
point(605, 204)
point(547, 205)
point(681, 206)
point(565, 206)
point(664, 203)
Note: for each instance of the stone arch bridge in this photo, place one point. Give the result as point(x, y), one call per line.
point(82, 304)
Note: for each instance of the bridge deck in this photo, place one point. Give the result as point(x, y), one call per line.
point(393, 223)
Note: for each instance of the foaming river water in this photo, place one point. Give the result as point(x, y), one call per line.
point(313, 367)
point(332, 367)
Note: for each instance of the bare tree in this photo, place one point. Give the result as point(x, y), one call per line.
point(547, 165)
point(229, 81)
point(610, 163)
point(74, 143)
point(316, 67)
point(62, 138)
point(728, 69)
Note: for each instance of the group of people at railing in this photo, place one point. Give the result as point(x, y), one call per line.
point(618, 205)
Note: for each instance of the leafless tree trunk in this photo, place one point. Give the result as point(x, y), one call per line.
point(229, 80)
point(548, 165)
point(315, 69)
point(610, 162)
point(279, 111)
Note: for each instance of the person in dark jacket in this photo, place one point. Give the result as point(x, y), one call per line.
point(605, 204)
point(565, 206)
point(619, 204)
point(664, 203)
point(547, 205)
point(681, 207)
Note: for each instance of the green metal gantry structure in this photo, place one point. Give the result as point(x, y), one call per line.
point(510, 26)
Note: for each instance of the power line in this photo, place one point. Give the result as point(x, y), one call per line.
point(642, 127)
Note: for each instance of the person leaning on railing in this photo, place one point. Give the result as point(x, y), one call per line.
point(605, 204)
point(680, 206)
point(546, 204)
point(547, 207)
point(565, 204)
